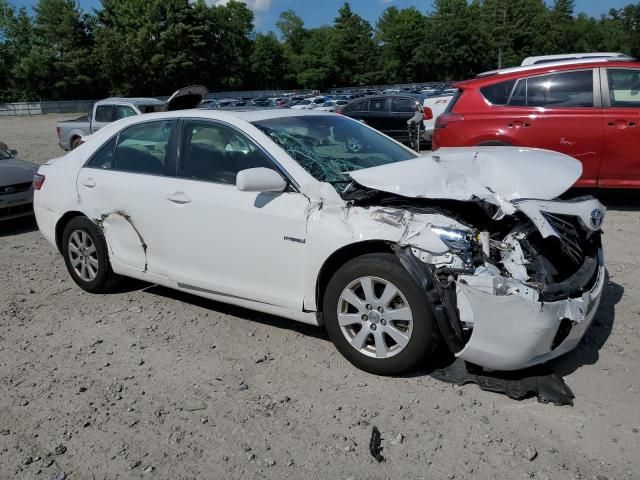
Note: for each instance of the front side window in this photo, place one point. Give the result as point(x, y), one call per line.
point(561, 90)
point(403, 105)
point(328, 146)
point(624, 87)
point(140, 148)
point(104, 113)
point(378, 105)
point(216, 153)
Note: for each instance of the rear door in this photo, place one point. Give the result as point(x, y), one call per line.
point(122, 187)
point(621, 107)
point(560, 112)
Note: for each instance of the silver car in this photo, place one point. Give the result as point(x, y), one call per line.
point(16, 189)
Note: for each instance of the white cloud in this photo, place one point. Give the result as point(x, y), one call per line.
point(255, 5)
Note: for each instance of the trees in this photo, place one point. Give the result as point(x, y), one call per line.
point(267, 61)
point(152, 47)
point(402, 35)
point(355, 54)
point(46, 56)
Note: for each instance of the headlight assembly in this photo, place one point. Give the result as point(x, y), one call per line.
point(457, 240)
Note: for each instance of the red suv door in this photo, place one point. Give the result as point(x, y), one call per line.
point(621, 108)
point(561, 112)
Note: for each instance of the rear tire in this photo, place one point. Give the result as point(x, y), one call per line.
point(87, 257)
point(75, 143)
point(398, 330)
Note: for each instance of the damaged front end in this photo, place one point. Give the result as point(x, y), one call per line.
point(508, 291)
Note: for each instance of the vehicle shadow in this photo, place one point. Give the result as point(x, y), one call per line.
point(587, 352)
point(17, 226)
point(613, 199)
point(240, 312)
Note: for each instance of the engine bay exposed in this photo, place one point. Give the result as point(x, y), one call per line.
point(490, 252)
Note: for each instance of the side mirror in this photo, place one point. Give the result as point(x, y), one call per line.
point(260, 180)
point(13, 152)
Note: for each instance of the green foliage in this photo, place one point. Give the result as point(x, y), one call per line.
point(152, 47)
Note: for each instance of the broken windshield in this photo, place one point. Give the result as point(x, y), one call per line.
point(328, 146)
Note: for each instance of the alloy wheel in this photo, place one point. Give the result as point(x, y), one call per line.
point(375, 317)
point(83, 255)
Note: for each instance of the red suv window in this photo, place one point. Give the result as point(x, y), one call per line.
point(556, 90)
point(498, 93)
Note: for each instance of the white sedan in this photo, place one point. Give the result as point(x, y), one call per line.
point(392, 252)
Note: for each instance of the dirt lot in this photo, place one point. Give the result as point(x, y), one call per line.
point(153, 383)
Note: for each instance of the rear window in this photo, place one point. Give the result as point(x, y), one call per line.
point(498, 93)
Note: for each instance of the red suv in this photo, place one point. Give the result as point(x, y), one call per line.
point(587, 109)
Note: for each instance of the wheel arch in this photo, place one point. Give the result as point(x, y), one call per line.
point(494, 143)
point(66, 218)
point(340, 257)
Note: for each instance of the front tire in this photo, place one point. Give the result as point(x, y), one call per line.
point(377, 316)
point(86, 256)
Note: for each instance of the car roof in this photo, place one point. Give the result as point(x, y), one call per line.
point(496, 76)
point(133, 101)
point(246, 114)
point(565, 63)
point(573, 56)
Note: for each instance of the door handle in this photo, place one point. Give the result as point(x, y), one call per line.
point(179, 198)
point(89, 183)
point(622, 123)
point(518, 124)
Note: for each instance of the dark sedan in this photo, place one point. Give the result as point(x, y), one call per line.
point(16, 190)
point(386, 113)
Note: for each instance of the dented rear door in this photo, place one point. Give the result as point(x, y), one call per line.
point(121, 188)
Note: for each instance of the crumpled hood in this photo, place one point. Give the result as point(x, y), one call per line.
point(13, 171)
point(495, 174)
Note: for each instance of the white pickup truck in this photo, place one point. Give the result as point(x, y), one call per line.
point(70, 132)
point(437, 104)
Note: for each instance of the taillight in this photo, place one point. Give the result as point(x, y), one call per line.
point(38, 181)
point(427, 114)
point(58, 132)
point(447, 118)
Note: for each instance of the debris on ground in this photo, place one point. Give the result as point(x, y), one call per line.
point(374, 444)
point(540, 382)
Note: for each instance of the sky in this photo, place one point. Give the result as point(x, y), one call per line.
point(321, 12)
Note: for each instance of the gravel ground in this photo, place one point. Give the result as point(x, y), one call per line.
point(153, 383)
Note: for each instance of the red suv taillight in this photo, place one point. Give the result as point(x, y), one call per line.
point(38, 181)
point(427, 114)
point(447, 118)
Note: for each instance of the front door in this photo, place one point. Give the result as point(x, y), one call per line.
point(621, 158)
point(120, 188)
point(245, 245)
